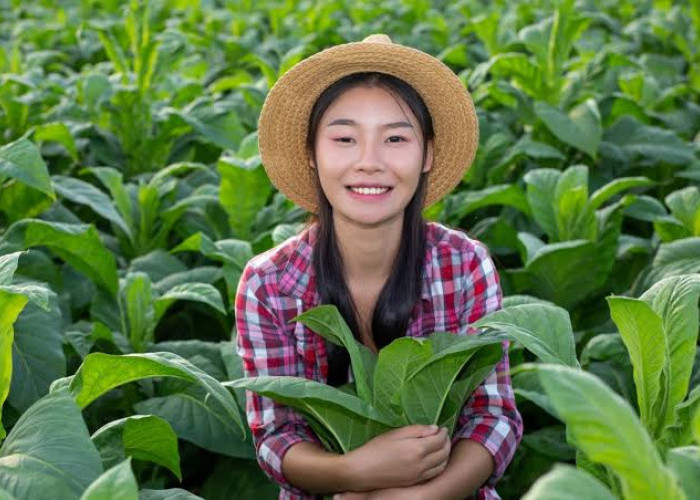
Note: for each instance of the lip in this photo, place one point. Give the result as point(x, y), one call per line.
point(369, 197)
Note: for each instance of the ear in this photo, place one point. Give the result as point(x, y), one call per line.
point(428, 157)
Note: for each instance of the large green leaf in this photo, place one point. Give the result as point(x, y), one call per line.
point(81, 192)
point(675, 300)
point(653, 143)
point(575, 219)
point(607, 430)
point(617, 186)
point(685, 462)
point(642, 331)
point(565, 482)
point(243, 192)
point(425, 392)
point(545, 330)
point(202, 422)
point(170, 494)
point(394, 364)
point(37, 353)
point(49, 454)
point(564, 273)
point(117, 483)
point(136, 308)
point(21, 160)
point(145, 437)
point(346, 420)
point(327, 322)
point(197, 292)
point(100, 373)
point(77, 244)
point(11, 305)
point(580, 128)
point(685, 206)
point(672, 259)
point(680, 433)
point(541, 185)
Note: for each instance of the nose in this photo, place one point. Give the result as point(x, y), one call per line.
point(370, 157)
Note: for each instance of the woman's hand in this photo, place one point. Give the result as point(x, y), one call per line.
point(400, 458)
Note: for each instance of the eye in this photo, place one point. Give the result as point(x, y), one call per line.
point(400, 138)
point(344, 140)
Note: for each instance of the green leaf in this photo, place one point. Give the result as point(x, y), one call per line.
point(427, 389)
point(562, 273)
point(541, 184)
point(100, 373)
point(575, 219)
point(201, 422)
point(328, 323)
point(466, 202)
point(170, 494)
point(11, 305)
point(606, 429)
point(581, 128)
point(565, 482)
point(544, 330)
point(37, 353)
point(653, 143)
point(81, 192)
point(144, 437)
point(345, 420)
point(21, 160)
point(113, 181)
point(137, 308)
point(672, 259)
point(235, 252)
point(8, 266)
point(77, 244)
point(680, 433)
point(617, 186)
point(685, 463)
point(643, 334)
point(197, 292)
point(49, 454)
point(675, 300)
point(57, 132)
point(117, 483)
point(685, 206)
point(394, 365)
point(243, 193)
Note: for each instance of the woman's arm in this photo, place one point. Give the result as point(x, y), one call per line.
point(398, 458)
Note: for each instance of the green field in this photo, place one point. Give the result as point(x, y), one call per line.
point(132, 195)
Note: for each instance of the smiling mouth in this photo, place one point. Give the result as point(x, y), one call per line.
point(368, 190)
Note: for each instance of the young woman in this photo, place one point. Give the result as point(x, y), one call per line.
point(365, 135)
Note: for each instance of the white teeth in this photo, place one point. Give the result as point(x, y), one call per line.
point(372, 190)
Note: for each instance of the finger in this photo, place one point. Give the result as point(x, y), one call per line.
point(437, 457)
point(433, 471)
point(435, 442)
point(417, 431)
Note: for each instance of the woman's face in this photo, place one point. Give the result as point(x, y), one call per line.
point(369, 150)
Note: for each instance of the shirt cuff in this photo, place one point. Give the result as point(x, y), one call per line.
point(272, 450)
point(497, 436)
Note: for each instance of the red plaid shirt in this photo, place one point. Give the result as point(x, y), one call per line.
point(460, 285)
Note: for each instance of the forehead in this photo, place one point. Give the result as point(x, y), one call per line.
point(365, 101)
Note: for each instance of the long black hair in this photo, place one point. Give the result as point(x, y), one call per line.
point(401, 291)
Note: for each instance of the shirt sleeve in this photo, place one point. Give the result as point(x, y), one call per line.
point(266, 348)
point(489, 416)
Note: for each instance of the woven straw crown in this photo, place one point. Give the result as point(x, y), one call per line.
point(284, 120)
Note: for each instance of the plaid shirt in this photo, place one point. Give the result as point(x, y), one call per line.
point(460, 285)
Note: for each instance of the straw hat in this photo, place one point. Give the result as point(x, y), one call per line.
point(284, 119)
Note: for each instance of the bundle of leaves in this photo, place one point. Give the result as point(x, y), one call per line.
point(410, 381)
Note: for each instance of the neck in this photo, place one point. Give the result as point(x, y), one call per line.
point(368, 252)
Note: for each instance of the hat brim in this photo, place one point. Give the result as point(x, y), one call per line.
point(284, 119)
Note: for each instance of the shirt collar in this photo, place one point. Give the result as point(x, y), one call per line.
point(299, 279)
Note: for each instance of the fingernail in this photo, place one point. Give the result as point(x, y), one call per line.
point(433, 427)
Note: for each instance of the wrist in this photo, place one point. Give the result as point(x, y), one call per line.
point(352, 473)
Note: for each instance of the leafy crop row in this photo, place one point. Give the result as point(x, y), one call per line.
point(132, 196)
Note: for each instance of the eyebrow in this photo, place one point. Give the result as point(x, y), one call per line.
point(353, 123)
